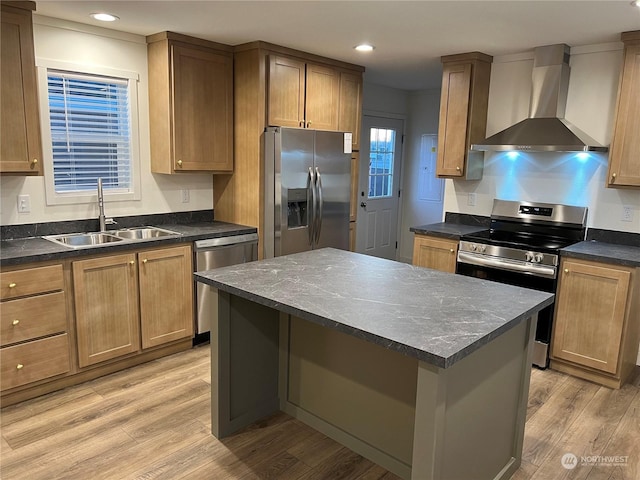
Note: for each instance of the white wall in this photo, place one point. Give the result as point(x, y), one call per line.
point(553, 177)
point(418, 208)
point(86, 45)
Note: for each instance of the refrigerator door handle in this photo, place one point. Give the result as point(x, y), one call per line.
point(320, 204)
point(311, 204)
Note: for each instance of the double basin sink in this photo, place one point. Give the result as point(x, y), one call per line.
point(96, 239)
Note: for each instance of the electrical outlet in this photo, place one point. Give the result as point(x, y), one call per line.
point(24, 204)
point(627, 213)
point(185, 195)
point(471, 200)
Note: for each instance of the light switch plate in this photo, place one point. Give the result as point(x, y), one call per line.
point(471, 200)
point(24, 203)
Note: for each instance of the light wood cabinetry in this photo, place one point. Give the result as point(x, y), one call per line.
point(302, 94)
point(190, 104)
point(624, 160)
point(596, 328)
point(239, 198)
point(33, 320)
point(20, 144)
point(110, 320)
point(106, 302)
point(166, 293)
point(350, 111)
point(435, 252)
point(463, 114)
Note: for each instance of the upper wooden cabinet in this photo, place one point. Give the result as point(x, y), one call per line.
point(435, 252)
point(190, 104)
point(272, 85)
point(624, 157)
point(302, 94)
point(596, 332)
point(350, 110)
point(21, 148)
point(463, 114)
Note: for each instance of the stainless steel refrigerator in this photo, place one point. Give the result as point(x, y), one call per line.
point(307, 190)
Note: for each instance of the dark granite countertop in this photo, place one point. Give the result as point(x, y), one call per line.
point(626, 255)
point(36, 249)
point(434, 316)
point(452, 231)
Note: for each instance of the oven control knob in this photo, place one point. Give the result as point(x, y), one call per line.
point(482, 248)
point(474, 247)
point(528, 256)
point(538, 258)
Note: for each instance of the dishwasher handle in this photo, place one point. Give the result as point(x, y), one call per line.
point(210, 243)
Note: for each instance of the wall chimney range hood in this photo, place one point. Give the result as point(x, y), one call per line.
point(545, 130)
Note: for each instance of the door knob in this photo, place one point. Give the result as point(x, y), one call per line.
point(363, 204)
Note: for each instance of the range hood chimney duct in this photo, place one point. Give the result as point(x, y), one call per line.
point(546, 129)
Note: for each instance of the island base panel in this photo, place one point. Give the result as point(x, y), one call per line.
point(244, 364)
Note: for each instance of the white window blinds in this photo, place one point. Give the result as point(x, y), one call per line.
point(90, 131)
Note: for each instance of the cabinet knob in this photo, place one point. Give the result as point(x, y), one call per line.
point(308, 124)
point(15, 322)
point(12, 285)
point(131, 262)
point(613, 177)
point(451, 250)
point(301, 123)
point(145, 260)
point(458, 169)
point(566, 270)
point(34, 162)
point(180, 163)
point(19, 366)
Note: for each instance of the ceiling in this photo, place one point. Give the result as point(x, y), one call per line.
point(409, 36)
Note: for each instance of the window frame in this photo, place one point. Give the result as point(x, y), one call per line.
point(80, 198)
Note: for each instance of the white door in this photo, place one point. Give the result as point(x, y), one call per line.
point(379, 188)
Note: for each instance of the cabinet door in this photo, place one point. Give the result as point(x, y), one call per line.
point(350, 111)
point(20, 147)
point(285, 106)
point(590, 314)
point(202, 110)
point(435, 253)
point(624, 159)
point(322, 98)
point(106, 301)
point(454, 110)
point(166, 295)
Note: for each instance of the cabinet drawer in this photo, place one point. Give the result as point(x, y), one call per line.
point(32, 361)
point(31, 281)
point(33, 317)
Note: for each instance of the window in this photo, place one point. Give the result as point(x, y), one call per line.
point(90, 133)
point(381, 157)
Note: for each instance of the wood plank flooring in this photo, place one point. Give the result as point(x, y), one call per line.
point(153, 422)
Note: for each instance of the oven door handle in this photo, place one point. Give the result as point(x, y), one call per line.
point(484, 261)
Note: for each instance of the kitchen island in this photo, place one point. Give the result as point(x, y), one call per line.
point(423, 372)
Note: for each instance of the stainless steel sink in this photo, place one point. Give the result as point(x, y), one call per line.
point(79, 240)
point(142, 233)
point(96, 239)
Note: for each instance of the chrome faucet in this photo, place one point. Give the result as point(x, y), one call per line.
point(101, 218)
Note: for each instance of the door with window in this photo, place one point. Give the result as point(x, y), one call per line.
point(379, 187)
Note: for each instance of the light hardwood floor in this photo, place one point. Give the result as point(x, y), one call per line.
point(152, 422)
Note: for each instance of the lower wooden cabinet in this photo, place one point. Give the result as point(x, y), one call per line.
point(435, 252)
point(132, 301)
point(596, 327)
point(106, 301)
point(33, 325)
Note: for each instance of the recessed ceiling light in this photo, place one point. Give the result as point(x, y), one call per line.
point(104, 17)
point(364, 47)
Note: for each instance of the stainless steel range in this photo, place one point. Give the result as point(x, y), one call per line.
point(521, 248)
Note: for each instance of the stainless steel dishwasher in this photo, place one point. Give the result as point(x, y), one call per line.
point(215, 253)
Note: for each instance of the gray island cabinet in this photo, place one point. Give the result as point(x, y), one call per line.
point(423, 372)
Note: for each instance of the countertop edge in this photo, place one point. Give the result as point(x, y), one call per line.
point(623, 255)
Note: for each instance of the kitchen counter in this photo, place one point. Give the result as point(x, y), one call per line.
point(36, 249)
point(604, 252)
point(391, 360)
point(452, 231)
